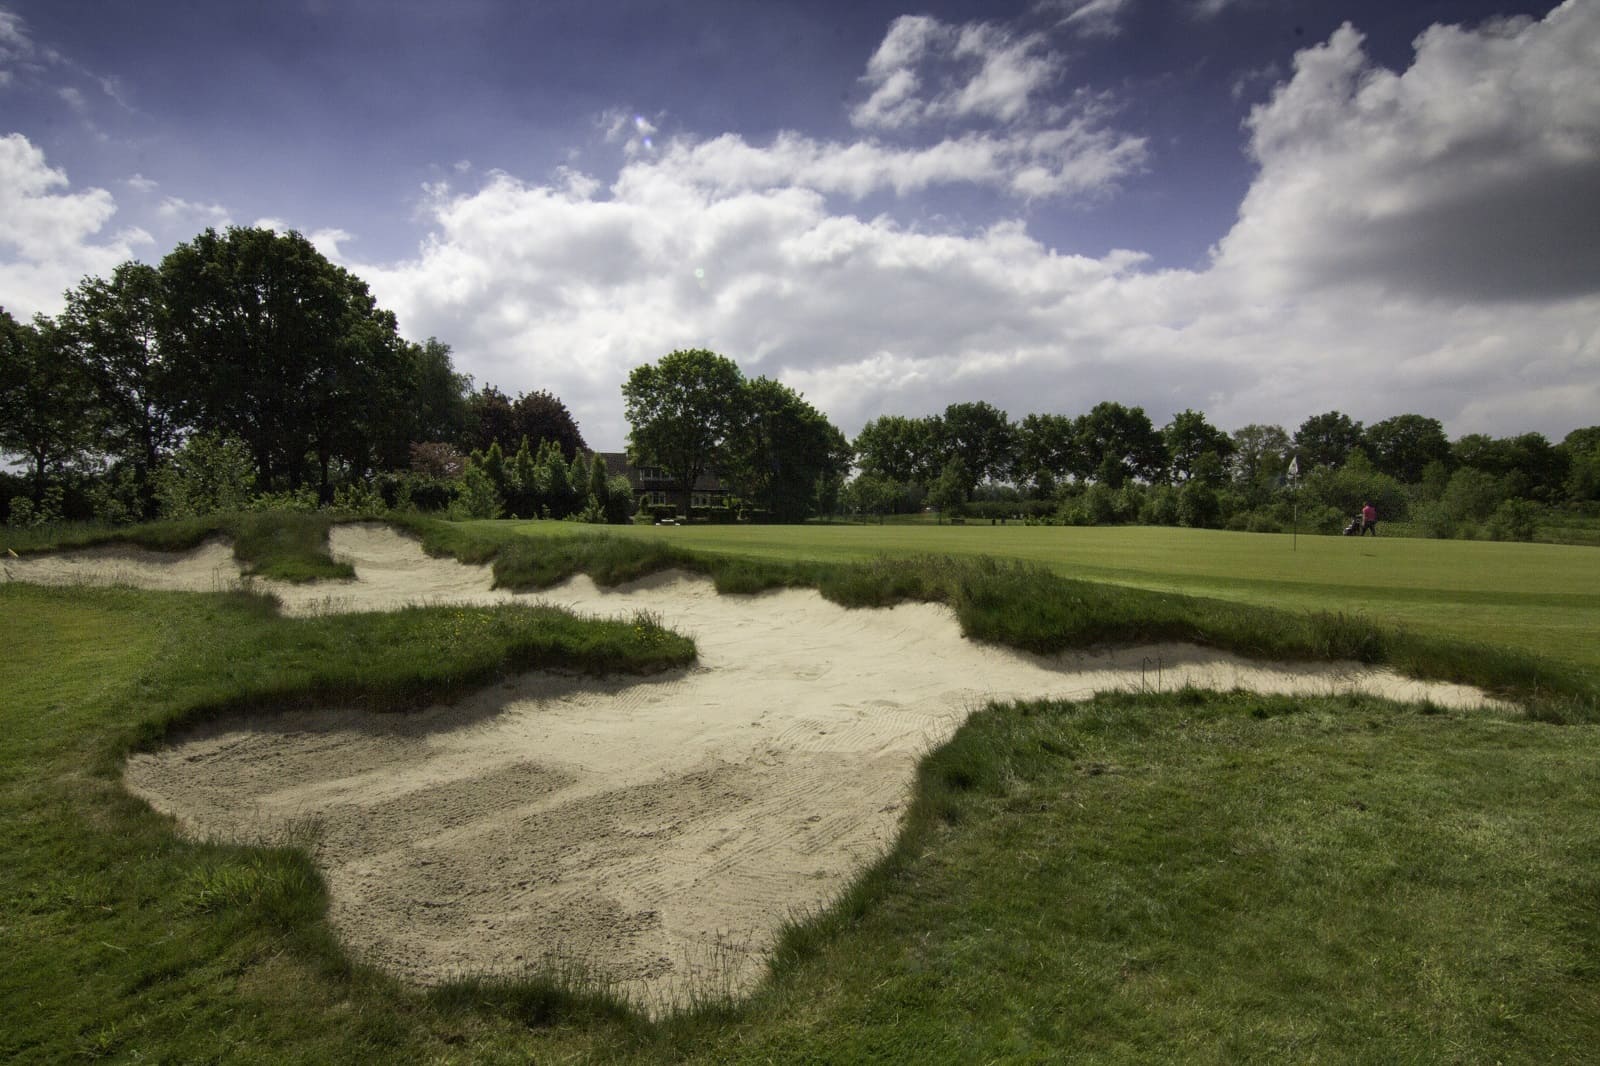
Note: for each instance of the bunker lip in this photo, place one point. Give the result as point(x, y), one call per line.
point(655, 833)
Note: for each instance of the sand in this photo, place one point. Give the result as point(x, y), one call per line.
point(655, 833)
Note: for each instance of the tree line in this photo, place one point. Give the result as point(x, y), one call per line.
point(245, 365)
point(245, 369)
point(1112, 464)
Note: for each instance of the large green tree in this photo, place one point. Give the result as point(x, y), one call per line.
point(491, 419)
point(784, 451)
point(982, 437)
point(899, 449)
point(1260, 460)
point(541, 416)
point(1327, 440)
point(1116, 444)
point(1047, 448)
point(1188, 438)
point(283, 349)
point(438, 410)
point(1531, 466)
point(1404, 445)
point(1582, 449)
point(46, 399)
point(114, 328)
point(681, 412)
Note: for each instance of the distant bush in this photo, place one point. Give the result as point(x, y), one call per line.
point(1512, 520)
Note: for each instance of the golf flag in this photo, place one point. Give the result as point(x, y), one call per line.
point(1294, 466)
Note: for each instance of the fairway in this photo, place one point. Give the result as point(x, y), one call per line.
point(1543, 598)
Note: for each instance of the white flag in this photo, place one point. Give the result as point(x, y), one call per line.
point(1294, 466)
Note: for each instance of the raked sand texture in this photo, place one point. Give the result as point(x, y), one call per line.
point(656, 832)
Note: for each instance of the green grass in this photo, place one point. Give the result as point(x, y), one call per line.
point(1541, 598)
point(1188, 878)
point(1198, 878)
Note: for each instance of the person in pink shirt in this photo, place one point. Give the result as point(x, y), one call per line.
point(1369, 519)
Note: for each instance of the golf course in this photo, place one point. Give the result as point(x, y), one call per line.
point(245, 814)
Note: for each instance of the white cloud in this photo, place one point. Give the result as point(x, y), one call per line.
point(328, 241)
point(1079, 156)
point(734, 246)
point(926, 70)
point(539, 286)
point(141, 183)
point(1471, 175)
point(50, 238)
point(175, 209)
point(1091, 18)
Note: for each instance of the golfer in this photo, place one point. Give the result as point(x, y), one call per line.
point(1369, 519)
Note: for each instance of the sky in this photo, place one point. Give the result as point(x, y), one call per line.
point(1260, 209)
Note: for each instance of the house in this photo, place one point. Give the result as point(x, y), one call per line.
point(652, 485)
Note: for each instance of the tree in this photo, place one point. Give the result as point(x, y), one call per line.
point(1046, 451)
point(1531, 466)
point(681, 412)
point(1116, 444)
point(870, 493)
point(279, 347)
point(982, 437)
point(1188, 437)
point(113, 328)
point(781, 451)
point(1260, 454)
point(439, 410)
point(540, 416)
point(1404, 445)
point(45, 399)
point(1326, 440)
point(898, 449)
point(1582, 448)
point(491, 419)
point(948, 493)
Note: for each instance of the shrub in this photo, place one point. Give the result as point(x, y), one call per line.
point(358, 498)
point(25, 513)
point(1472, 494)
point(1512, 520)
point(1160, 507)
point(302, 500)
point(1198, 507)
point(1433, 520)
point(209, 474)
point(1095, 506)
point(477, 496)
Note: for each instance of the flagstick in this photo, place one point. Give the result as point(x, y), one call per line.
point(1294, 496)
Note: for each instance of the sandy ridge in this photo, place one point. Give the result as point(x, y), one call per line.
point(655, 831)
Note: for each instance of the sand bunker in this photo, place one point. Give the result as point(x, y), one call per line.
point(208, 568)
point(658, 831)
